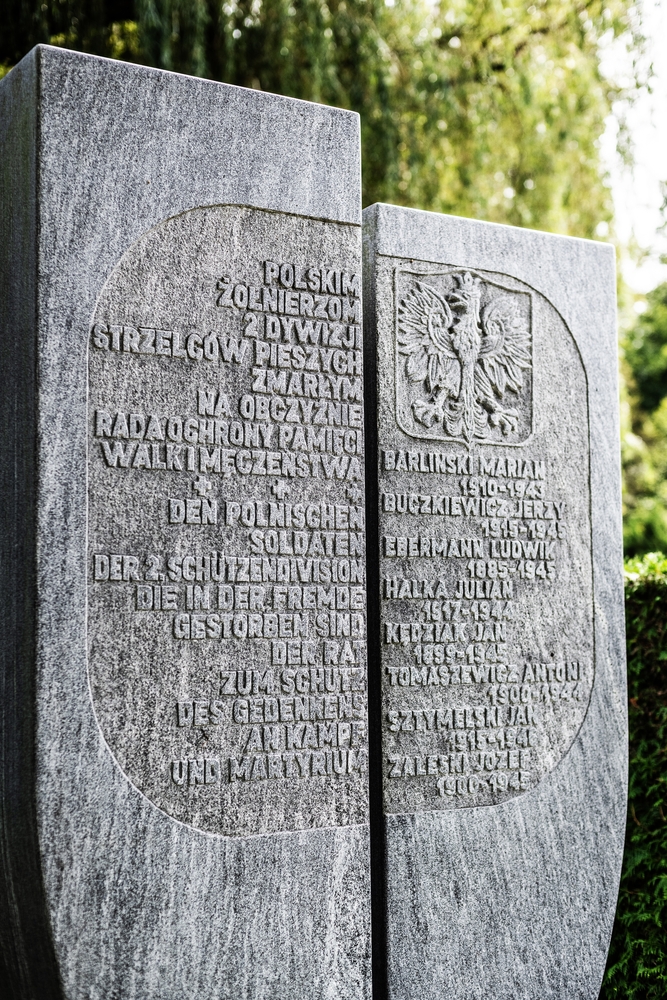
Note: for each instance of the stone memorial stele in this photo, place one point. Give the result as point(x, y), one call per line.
point(184, 727)
point(497, 619)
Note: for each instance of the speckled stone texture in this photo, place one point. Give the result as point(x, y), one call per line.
point(184, 803)
point(496, 615)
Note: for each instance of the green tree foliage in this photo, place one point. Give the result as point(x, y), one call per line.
point(637, 964)
point(78, 24)
point(644, 441)
point(646, 351)
point(486, 108)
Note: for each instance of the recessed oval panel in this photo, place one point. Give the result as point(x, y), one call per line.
point(226, 581)
point(485, 538)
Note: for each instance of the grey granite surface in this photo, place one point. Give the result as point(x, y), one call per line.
point(27, 962)
point(133, 869)
point(496, 615)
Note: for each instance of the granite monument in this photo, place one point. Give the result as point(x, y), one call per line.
point(496, 611)
point(184, 725)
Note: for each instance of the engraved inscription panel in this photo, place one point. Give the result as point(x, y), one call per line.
point(485, 552)
point(226, 574)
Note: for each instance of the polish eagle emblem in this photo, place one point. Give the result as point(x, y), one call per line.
point(467, 351)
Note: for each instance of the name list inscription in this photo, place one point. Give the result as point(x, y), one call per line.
point(486, 595)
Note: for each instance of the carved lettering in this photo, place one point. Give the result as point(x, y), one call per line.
point(485, 564)
point(227, 597)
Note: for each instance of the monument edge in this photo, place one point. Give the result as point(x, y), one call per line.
point(283, 120)
point(26, 950)
point(77, 252)
point(589, 286)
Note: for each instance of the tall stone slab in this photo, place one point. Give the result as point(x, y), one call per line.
point(497, 609)
point(184, 736)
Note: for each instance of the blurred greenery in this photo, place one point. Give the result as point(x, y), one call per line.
point(644, 426)
point(637, 964)
point(485, 108)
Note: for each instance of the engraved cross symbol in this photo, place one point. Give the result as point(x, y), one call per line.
point(354, 493)
point(202, 486)
point(280, 489)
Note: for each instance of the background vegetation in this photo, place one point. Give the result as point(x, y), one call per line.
point(492, 109)
point(644, 427)
point(488, 108)
point(637, 966)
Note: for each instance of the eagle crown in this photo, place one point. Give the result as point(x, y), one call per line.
point(467, 300)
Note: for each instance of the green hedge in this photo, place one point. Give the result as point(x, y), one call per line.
point(637, 965)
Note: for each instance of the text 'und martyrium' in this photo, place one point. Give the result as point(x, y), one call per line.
point(486, 601)
point(227, 585)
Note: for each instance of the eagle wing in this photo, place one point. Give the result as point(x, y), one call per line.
point(424, 336)
point(505, 351)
